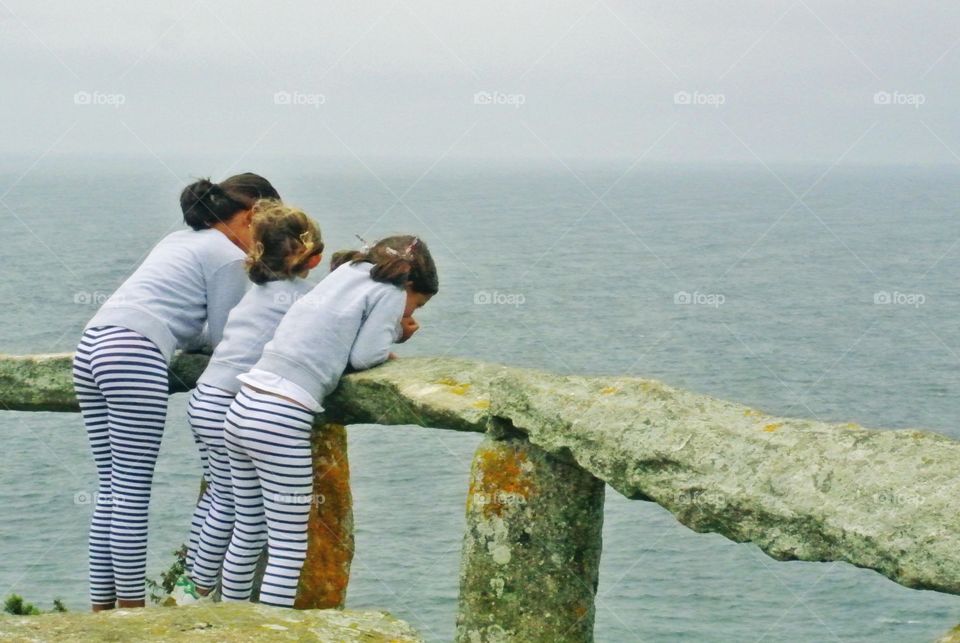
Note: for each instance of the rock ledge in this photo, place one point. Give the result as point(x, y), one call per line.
point(236, 622)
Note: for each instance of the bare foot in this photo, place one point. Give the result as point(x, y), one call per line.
point(101, 607)
point(122, 604)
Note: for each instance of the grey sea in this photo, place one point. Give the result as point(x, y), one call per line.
point(811, 291)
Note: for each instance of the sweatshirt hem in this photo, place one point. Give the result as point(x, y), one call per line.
point(139, 321)
point(291, 370)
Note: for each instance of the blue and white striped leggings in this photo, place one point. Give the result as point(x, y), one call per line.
point(213, 517)
point(121, 382)
point(268, 442)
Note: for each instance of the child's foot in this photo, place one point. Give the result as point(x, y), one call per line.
point(184, 593)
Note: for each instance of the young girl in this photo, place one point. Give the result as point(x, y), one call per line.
point(350, 318)
point(286, 246)
point(191, 278)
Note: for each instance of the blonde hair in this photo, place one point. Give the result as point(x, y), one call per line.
point(284, 240)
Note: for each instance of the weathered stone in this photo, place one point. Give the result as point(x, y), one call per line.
point(235, 622)
point(45, 382)
point(531, 552)
point(37, 383)
point(330, 543)
point(953, 636)
point(326, 571)
point(799, 489)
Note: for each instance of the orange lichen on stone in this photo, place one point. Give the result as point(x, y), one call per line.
point(770, 428)
point(609, 390)
point(326, 572)
point(482, 404)
point(499, 475)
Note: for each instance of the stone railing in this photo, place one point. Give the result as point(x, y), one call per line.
point(798, 489)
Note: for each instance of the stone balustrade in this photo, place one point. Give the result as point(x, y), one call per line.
point(887, 500)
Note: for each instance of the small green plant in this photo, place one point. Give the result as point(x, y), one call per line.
point(159, 590)
point(18, 607)
point(14, 604)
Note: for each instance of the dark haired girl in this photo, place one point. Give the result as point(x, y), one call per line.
point(352, 318)
point(190, 279)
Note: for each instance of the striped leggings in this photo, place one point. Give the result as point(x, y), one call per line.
point(121, 382)
point(268, 442)
point(213, 516)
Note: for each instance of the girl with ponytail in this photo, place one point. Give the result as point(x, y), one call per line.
point(351, 318)
point(189, 281)
point(286, 245)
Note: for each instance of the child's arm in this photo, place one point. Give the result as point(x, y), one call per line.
point(225, 290)
point(200, 343)
point(379, 330)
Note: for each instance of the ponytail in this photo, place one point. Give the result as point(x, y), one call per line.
point(205, 203)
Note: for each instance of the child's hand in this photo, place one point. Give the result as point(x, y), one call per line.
point(408, 326)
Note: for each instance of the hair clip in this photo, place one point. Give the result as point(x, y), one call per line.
point(407, 254)
point(306, 241)
point(256, 252)
point(364, 246)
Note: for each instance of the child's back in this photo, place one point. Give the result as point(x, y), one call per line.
point(322, 334)
point(190, 277)
point(249, 328)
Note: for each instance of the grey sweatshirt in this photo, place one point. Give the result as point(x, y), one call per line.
point(189, 278)
point(347, 319)
point(249, 327)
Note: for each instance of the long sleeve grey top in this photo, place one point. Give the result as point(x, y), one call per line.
point(249, 327)
point(190, 278)
point(347, 319)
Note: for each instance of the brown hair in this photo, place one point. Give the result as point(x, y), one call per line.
point(205, 203)
point(284, 240)
point(398, 260)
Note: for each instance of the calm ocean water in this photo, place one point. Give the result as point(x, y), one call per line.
point(784, 316)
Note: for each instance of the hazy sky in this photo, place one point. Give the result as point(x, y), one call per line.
point(774, 80)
